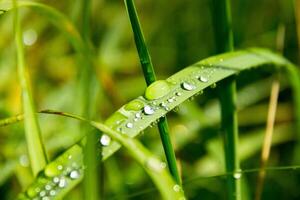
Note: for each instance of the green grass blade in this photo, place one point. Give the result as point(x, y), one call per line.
point(67, 169)
point(36, 149)
point(229, 123)
point(149, 76)
point(214, 69)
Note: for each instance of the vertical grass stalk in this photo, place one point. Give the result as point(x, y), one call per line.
point(229, 124)
point(149, 76)
point(36, 149)
point(91, 175)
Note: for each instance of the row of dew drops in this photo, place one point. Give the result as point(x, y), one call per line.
point(159, 89)
point(57, 176)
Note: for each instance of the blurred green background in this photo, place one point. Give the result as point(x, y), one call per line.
point(178, 33)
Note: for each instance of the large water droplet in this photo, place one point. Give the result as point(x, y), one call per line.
point(74, 174)
point(157, 90)
point(105, 140)
point(134, 105)
point(29, 37)
point(53, 169)
point(187, 86)
point(148, 110)
point(203, 79)
point(129, 125)
point(176, 188)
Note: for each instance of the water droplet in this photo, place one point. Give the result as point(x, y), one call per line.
point(237, 175)
point(138, 115)
point(178, 93)
point(62, 182)
point(48, 187)
point(221, 60)
point(203, 79)
point(187, 86)
point(29, 37)
point(148, 110)
point(176, 188)
point(105, 140)
point(163, 165)
point(42, 193)
point(52, 193)
point(60, 167)
point(45, 198)
point(115, 119)
point(55, 180)
point(157, 90)
point(24, 162)
point(154, 164)
point(53, 169)
point(170, 100)
point(74, 174)
point(129, 125)
point(214, 85)
point(135, 105)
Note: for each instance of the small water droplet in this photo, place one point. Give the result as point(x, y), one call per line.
point(170, 100)
point(176, 188)
point(187, 86)
point(62, 183)
point(42, 193)
point(74, 174)
point(129, 125)
point(148, 110)
point(60, 167)
point(48, 187)
point(237, 175)
point(52, 193)
point(178, 93)
point(203, 79)
point(55, 180)
point(24, 162)
point(154, 164)
point(163, 165)
point(214, 85)
point(138, 115)
point(29, 37)
point(45, 198)
point(105, 140)
point(70, 157)
point(221, 60)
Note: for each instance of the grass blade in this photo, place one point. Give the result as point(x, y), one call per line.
point(232, 63)
point(149, 76)
point(36, 149)
point(229, 122)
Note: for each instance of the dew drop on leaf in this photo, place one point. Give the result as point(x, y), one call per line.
point(203, 79)
point(178, 93)
point(157, 90)
point(187, 86)
point(129, 125)
point(148, 110)
point(62, 182)
point(176, 188)
point(105, 140)
point(74, 174)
